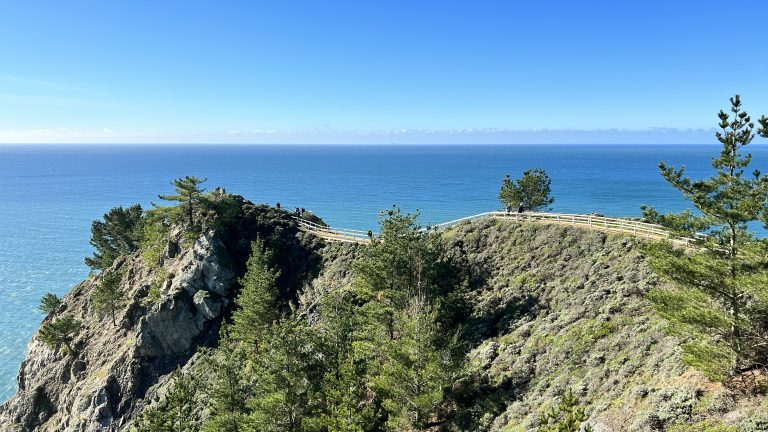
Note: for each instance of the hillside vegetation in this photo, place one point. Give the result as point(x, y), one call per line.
point(526, 313)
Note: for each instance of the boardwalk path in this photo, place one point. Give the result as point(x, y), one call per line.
point(596, 223)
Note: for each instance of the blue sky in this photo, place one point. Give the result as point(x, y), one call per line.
point(376, 71)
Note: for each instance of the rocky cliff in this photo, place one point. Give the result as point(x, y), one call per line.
point(551, 308)
point(173, 307)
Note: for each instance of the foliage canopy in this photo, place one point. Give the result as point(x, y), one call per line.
point(718, 297)
point(533, 190)
point(108, 296)
point(50, 303)
point(189, 195)
point(60, 332)
point(120, 233)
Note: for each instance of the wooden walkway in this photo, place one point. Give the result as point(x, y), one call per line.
point(596, 223)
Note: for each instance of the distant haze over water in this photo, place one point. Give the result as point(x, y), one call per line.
point(50, 194)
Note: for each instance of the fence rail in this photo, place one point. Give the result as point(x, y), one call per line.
point(335, 234)
point(593, 222)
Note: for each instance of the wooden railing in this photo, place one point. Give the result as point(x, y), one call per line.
point(335, 234)
point(592, 222)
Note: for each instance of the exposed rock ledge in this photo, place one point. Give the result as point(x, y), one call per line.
point(102, 385)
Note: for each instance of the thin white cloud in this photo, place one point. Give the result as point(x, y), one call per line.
point(329, 136)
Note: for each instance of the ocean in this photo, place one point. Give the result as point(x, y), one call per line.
point(49, 194)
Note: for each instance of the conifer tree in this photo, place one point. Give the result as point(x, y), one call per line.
point(189, 194)
point(532, 190)
point(176, 412)
point(107, 296)
point(227, 393)
point(286, 377)
point(152, 419)
point(567, 416)
point(346, 397)
point(411, 370)
point(402, 261)
point(257, 301)
point(118, 234)
point(50, 303)
point(718, 298)
point(399, 279)
point(181, 405)
point(345, 389)
point(60, 331)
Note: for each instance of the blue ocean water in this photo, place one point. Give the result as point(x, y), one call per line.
point(50, 194)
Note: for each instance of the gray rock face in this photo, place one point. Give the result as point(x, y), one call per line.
point(101, 386)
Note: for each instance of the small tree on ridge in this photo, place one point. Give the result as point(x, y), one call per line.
point(532, 190)
point(189, 194)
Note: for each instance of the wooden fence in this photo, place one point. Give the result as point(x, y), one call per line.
point(593, 222)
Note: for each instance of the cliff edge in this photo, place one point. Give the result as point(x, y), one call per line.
point(172, 307)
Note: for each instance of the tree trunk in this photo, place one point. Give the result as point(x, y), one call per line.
point(191, 221)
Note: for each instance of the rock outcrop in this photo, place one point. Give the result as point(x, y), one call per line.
point(102, 383)
point(171, 308)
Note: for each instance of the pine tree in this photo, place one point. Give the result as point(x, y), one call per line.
point(228, 393)
point(532, 191)
point(401, 262)
point(50, 303)
point(176, 412)
point(286, 378)
point(567, 416)
point(152, 419)
point(257, 301)
point(61, 331)
point(348, 407)
point(346, 393)
point(399, 279)
point(180, 401)
point(107, 296)
point(119, 234)
point(410, 371)
point(685, 223)
point(189, 194)
point(718, 298)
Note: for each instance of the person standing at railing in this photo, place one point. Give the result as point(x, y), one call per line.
point(509, 209)
point(520, 209)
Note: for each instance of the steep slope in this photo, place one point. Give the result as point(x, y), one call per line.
point(555, 308)
point(562, 308)
point(173, 307)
